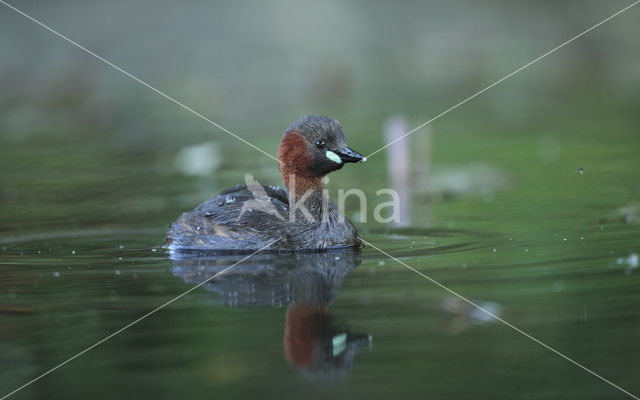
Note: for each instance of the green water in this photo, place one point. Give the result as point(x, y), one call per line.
point(525, 201)
point(551, 253)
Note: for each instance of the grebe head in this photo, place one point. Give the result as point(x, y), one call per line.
point(314, 146)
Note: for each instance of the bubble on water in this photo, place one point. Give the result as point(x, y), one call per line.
point(631, 262)
point(154, 250)
point(526, 250)
point(56, 274)
point(337, 258)
point(122, 246)
point(119, 258)
point(479, 316)
point(198, 160)
point(564, 239)
point(494, 250)
point(117, 272)
point(73, 252)
point(380, 263)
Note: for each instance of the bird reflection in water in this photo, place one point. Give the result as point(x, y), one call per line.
point(308, 283)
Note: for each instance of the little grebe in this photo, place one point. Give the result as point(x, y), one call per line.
point(300, 217)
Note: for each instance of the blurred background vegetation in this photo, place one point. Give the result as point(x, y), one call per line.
point(94, 166)
point(77, 133)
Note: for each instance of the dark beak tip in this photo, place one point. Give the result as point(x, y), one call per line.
point(348, 155)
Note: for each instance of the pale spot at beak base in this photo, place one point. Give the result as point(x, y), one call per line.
point(333, 157)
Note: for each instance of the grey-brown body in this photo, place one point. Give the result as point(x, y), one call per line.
point(217, 224)
point(245, 219)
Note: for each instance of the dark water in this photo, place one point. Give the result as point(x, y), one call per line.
point(526, 201)
point(323, 325)
point(553, 252)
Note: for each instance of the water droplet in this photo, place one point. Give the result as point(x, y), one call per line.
point(56, 274)
point(73, 252)
point(494, 250)
point(122, 246)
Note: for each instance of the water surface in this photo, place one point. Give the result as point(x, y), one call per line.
point(526, 201)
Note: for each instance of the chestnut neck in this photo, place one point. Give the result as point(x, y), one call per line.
point(304, 326)
point(294, 166)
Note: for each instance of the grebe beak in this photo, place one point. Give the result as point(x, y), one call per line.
point(348, 155)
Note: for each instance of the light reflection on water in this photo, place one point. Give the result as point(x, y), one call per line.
point(273, 320)
point(533, 189)
point(306, 284)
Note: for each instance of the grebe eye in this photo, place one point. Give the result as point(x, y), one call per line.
point(321, 144)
